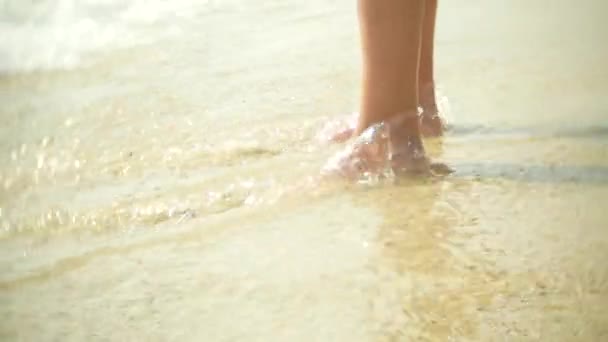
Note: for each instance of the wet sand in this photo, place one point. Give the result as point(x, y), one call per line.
point(165, 191)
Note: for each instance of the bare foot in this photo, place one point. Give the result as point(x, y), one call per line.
point(367, 155)
point(431, 123)
point(407, 154)
point(385, 150)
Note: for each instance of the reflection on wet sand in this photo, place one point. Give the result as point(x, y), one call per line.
point(168, 192)
point(446, 271)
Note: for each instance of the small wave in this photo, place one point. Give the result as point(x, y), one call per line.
point(61, 34)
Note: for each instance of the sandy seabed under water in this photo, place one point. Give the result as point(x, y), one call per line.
point(149, 156)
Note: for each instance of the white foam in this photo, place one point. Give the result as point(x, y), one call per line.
point(60, 34)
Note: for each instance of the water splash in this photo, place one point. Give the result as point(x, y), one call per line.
point(338, 130)
point(60, 34)
point(366, 160)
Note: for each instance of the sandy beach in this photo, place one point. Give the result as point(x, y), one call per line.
point(159, 165)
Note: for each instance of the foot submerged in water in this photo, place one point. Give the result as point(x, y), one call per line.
point(385, 150)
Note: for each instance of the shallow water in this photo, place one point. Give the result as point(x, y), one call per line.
point(159, 164)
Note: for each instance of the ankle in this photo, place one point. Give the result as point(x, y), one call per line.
point(406, 123)
point(426, 97)
point(406, 149)
point(429, 111)
point(405, 136)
